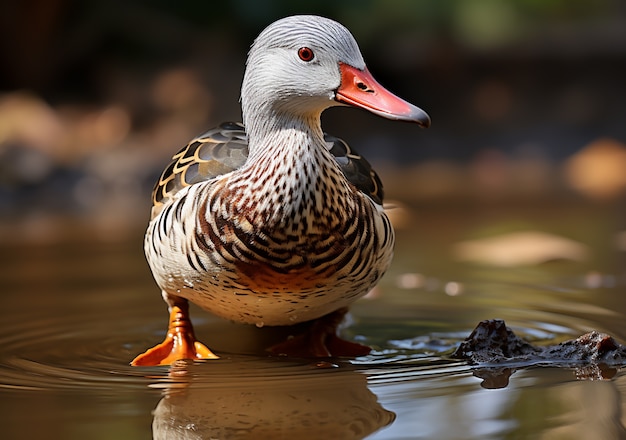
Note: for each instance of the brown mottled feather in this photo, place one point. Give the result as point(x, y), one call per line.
point(225, 149)
point(216, 152)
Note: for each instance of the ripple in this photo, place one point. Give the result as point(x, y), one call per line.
point(56, 353)
point(92, 350)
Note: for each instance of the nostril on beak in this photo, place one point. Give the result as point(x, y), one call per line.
point(364, 87)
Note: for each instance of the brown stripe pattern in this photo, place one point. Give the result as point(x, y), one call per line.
point(285, 238)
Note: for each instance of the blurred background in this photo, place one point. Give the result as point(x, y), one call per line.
point(527, 97)
point(510, 205)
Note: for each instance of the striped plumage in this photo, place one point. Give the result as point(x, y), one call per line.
point(297, 232)
point(277, 223)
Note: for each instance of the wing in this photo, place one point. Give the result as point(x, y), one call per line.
point(225, 148)
point(216, 152)
point(357, 170)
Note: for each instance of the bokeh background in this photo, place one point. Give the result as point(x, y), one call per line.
point(511, 205)
point(527, 97)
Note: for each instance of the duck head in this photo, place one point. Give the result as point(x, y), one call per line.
point(301, 65)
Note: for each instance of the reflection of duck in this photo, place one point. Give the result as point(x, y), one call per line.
point(276, 224)
point(237, 400)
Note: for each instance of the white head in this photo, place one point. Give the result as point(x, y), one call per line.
point(301, 65)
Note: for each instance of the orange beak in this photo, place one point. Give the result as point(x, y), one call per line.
point(360, 89)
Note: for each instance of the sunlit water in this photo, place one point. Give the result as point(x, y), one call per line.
point(77, 310)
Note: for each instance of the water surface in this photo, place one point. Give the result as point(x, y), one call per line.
point(77, 308)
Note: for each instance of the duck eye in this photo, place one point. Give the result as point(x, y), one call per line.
point(305, 54)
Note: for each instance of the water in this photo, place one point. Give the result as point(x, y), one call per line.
point(77, 308)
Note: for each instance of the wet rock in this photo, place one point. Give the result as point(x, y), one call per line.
point(493, 342)
point(498, 352)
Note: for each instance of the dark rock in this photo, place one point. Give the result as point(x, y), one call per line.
point(498, 351)
point(493, 342)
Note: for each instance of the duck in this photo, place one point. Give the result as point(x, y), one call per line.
point(272, 222)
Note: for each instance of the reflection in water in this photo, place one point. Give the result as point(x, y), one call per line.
point(261, 399)
point(494, 378)
point(498, 377)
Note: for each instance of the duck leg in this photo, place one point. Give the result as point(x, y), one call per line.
point(180, 341)
point(321, 340)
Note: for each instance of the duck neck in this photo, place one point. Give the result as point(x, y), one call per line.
point(281, 134)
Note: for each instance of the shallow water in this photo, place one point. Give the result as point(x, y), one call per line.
point(77, 309)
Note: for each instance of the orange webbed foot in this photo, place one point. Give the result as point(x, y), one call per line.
point(180, 342)
point(321, 340)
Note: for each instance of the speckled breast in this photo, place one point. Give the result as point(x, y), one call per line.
point(268, 276)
